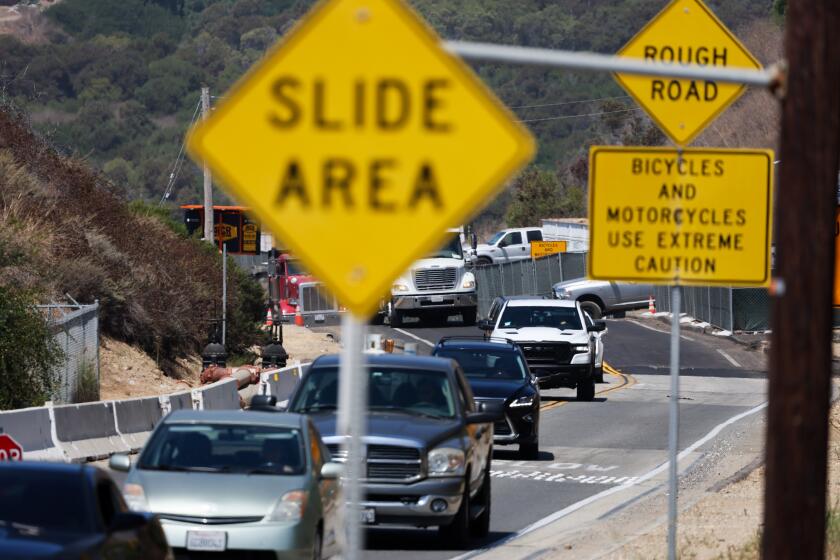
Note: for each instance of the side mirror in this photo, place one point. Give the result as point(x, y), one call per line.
point(128, 521)
point(597, 326)
point(119, 462)
point(267, 403)
point(331, 471)
point(485, 325)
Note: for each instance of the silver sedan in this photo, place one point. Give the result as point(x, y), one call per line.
point(238, 481)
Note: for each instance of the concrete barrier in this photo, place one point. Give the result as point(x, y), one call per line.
point(221, 395)
point(88, 432)
point(32, 428)
point(136, 418)
point(180, 401)
point(281, 382)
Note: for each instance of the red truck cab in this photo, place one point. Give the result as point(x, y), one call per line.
point(285, 274)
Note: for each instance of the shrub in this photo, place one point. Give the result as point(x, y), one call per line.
point(28, 352)
point(87, 383)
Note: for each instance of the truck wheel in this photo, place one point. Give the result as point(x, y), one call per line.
point(599, 374)
point(457, 533)
point(469, 315)
point(395, 318)
point(529, 451)
point(480, 527)
point(593, 309)
point(586, 389)
point(483, 261)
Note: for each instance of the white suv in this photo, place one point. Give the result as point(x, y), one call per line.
point(561, 347)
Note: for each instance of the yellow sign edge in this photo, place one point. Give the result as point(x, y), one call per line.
point(685, 281)
point(734, 97)
point(525, 144)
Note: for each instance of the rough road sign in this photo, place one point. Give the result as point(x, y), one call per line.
point(358, 141)
point(702, 216)
point(685, 32)
point(545, 248)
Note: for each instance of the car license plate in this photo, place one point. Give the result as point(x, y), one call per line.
point(214, 541)
point(436, 299)
point(368, 515)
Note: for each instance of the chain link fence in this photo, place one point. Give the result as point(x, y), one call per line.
point(732, 309)
point(526, 277)
point(76, 331)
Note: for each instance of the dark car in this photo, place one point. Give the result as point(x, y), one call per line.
point(498, 372)
point(427, 447)
point(57, 510)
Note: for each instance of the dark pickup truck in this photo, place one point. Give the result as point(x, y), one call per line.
point(427, 449)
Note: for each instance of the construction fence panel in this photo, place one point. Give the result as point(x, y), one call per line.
point(750, 309)
point(75, 329)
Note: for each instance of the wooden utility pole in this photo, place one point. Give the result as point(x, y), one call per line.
point(800, 355)
point(209, 234)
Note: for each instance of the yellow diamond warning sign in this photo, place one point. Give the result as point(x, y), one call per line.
point(700, 216)
point(685, 32)
point(358, 141)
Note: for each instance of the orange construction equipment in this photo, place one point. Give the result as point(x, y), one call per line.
point(269, 320)
point(298, 316)
point(651, 305)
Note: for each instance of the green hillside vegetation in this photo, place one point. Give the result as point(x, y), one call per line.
point(64, 229)
point(118, 83)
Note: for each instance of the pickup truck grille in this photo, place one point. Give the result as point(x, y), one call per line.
point(386, 462)
point(546, 354)
point(428, 279)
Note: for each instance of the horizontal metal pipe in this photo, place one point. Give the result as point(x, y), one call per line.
point(610, 63)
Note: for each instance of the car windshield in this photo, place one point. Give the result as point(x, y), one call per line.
point(565, 318)
point(37, 501)
point(451, 250)
point(487, 364)
point(405, 391)
point(496, 236)
point(230, 448)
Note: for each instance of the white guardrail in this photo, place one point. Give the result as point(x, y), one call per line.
point(96, 430)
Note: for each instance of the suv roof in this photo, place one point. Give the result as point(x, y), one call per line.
point(475, 342)
point(537, 302)
point(393, 360)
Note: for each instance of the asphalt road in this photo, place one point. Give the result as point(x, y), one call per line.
point(589, 447)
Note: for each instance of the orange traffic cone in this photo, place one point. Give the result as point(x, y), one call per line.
point(298, 316)
point(651, 305)
point(269, 320)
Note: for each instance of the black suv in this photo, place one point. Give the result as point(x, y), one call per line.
point(498, 372)
point(427, 448)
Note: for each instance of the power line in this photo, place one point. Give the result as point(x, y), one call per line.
point(179, 160)
point(581, 115)
point(570, 102)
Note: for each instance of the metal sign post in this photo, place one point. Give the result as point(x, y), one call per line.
point(224, 292)
point(674, 422)
point(352, 406)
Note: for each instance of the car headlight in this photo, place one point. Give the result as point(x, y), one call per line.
point(446, 461)
point(579, 348)
point(293, 280)
point(561, 294)
point(523, 401)
point(289, 508)
point(135, 497)
point(468, 281)
point(400, 287)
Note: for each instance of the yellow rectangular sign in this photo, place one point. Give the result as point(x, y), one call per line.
point(690, 217)
point(545, 248)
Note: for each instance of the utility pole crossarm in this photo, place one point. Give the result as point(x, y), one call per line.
point(771, 77)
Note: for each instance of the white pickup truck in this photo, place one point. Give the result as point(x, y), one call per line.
point(436, 286)
point(508, 245)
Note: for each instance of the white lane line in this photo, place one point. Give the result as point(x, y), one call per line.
point(682, 336)
point(600, 495)
point(415, 337)
point(729, 358)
